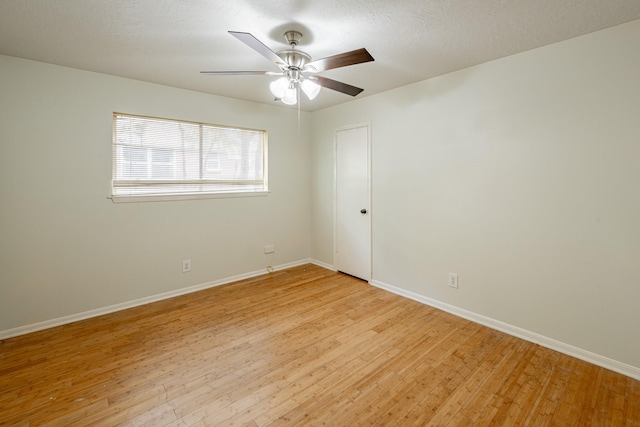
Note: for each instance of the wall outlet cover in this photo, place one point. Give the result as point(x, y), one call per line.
point(453, 280)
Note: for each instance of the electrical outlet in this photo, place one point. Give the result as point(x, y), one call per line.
point(453, 280)
point(269, 249)
point(186, 265)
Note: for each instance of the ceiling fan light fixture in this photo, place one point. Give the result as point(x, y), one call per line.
point(290, 96)
point(310, 88)
point(279, 87)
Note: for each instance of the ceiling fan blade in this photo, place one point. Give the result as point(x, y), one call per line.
point(341, 60)
point(239, 73)
point(257, 45)
point(337, 86)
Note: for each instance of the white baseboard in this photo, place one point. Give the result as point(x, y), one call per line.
point(21, 330)
point(323, 264)
point(579, 353)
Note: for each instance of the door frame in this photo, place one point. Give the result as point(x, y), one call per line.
point(335, 193)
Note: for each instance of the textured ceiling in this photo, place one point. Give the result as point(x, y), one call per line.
point(170, 41)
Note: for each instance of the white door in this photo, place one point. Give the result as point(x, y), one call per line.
point(353, 219)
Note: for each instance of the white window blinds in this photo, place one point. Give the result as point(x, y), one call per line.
point(153, 157)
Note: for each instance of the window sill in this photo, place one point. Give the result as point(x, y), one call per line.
point(178, 197)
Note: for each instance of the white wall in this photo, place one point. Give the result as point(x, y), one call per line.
point(65, 248)
point(521, 175)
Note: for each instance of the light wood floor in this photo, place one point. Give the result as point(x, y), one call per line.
point(304, 346)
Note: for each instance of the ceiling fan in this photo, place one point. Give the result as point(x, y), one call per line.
point(297, 69)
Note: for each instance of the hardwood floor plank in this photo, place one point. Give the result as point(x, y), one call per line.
point(303, 346)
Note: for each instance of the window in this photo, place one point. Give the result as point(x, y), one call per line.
point(157, 159)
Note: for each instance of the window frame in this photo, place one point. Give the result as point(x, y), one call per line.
point(168, 183)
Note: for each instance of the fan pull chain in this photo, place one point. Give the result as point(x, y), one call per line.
point(299, 102)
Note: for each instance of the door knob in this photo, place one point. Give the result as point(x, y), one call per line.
point(363, 211)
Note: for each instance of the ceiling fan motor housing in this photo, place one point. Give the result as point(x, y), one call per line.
point(294, 58)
